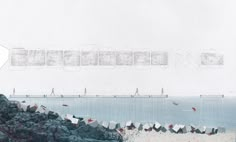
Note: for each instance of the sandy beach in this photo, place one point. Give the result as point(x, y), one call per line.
point(142, 136)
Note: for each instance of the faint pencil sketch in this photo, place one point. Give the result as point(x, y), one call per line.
point(89, 58)
point(185, 58)
point(107, 58)
point(212, 59)
point(159, 58)
point(71, 58)
point(54, 58)
point(36, 58)
point(142, 58)
point(124, 58)
point(19, 57)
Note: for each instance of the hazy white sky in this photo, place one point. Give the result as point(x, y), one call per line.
point(176, 26)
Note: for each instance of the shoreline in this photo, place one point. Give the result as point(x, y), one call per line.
point(152, 136)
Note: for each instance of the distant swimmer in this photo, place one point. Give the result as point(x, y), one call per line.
point(194, 109)
point(65, 105)
point(23, 101)
point(175, 103)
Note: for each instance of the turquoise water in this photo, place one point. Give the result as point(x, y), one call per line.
point(214, 111)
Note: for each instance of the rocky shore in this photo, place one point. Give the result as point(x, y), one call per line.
point(18, 125)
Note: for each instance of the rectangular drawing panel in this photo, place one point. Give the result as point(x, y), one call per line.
point(89, 58)
point(54, 58)
point(107, 58)
point(71, 58)
point(142, 58)
point(36, 58)
point(159, 58)
point(19, 57)
point(124, 58)
point(212, 59)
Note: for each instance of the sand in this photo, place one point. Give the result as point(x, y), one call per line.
point(142, 136)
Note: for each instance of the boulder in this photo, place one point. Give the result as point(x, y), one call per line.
point(118, 126)
point(157, 126)
point(105, 124)
point(176, 128)
point(92, 122)
point(183, 129)
point(201, 129)
point(74, 120)
point(209, 130)
point(42, 109)
point(3, 137)
point(32, 109)
point(221, 130)
point(129, 123)
point(69, 116)
point(24, 107)
point(112, 125)
point(147, 127)
point(189, 129)
point(3, 100)
point(138, 126)
point(80, 118)
point(165, 128)
point(52, 115)
point(26, 126)
point(215, 130)
point(122, 125)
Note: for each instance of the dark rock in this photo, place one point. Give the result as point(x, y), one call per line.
point(31, 126)
point(52, 115)
point(3, 137)
point(3, 100)
point(98, 133)
point(131, 127)
point(163, 129)
point(74, 138)
point(39, 136)
point(32, 109)
point(215, 130)
point(80, 118)
point(221, 130)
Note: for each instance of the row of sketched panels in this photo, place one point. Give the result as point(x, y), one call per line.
point(23, 57)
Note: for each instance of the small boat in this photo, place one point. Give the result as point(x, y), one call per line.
point(174, 103)
point(65, 105)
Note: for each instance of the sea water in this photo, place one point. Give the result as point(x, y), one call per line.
point(209, 112)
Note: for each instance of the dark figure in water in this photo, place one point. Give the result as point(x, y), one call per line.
point(174, 103)
point(194, 109)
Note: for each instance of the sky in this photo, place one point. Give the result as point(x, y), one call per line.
point(183, 28)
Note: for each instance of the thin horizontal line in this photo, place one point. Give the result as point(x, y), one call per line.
point(88, 96)
point(211, 96)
